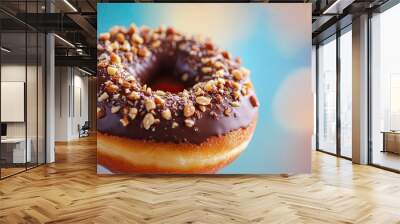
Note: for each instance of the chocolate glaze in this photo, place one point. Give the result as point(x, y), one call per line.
point(212, 122)
point(205, 127)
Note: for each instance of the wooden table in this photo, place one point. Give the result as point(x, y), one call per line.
point(391, 141)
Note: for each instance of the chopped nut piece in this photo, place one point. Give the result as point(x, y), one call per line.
point(129, 56)
point(202, 108)
point(248, 85)
point(143, 52)
point(209, 45)
point(226, 54)
point(104, 36)
point(235, 104)
point(115, 45)
point(158, 100)
point(254, 101)
point(124, 121)
point(199, 91)
point(245, 71)
point(236, 95)
point(148, 91)
point(156, 44)
point(244, 91)
point(112, 88)
point(166, 114)
point(228, 111)
point(220, 73)
point(203, 100)
point(132, 113)
point(218, 64)
point(149, 104)
point(160, 93)
point(125, 110)
point(137, 39)
point(221, 81)
point(237, 74)
point(205, 60)
point(189, 123)
point(134, 96)
point(174, 124)
point(209, 86)
point(236, 85)
point(206, 70)
point(130, 78)
point(188, 110)
point(115, 109)
point(126, 84)
point(148, 120)
point(100, 113)
point(103, 97)
point(126, 46)
point(120, 37)
point(115, 59)
point(132, 29)
point(185, 77)
point(112, 70)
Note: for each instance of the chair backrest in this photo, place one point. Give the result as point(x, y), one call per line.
point(86, 125)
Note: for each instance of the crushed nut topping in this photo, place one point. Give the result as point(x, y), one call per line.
point(189, 123)
point(202, 100)
point(228, 111)
point(134, 96)
point(166, 114)
point(124, 121)
point(254, 101)
point(112, 70)
point(206, 70)
point(103, 97)
point(149, 104)
point(188, 110)
point(237, 74)
point(221, 82)
point(115, 109)
point(132, 113)
point(100, 113)
point(235, 104)
point(148, 120)
point(174, 124)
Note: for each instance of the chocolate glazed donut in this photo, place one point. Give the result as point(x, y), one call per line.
point(146, 125)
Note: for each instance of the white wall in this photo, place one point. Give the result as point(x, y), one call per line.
point(71, 102)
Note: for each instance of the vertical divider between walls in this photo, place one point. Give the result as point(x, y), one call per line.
point(26, 86)
point(338, 94)
point(317, 97)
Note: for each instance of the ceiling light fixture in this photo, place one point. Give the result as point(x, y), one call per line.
point(5, 50)
point(337, 7)
point(84, 71)
point(70, 5)
point(65, 41)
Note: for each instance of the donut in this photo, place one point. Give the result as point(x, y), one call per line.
point(170, 103)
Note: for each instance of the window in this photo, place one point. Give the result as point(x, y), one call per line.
point(346, 93)
point(385, 89)
point(327, 96)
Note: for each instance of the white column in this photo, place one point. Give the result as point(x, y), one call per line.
point(360, 90)
point(50, 99)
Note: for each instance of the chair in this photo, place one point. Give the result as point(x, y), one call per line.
point(84, 130)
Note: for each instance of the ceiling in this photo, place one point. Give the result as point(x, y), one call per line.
point(75, 21)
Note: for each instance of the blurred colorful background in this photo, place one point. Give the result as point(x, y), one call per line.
point(278, 54)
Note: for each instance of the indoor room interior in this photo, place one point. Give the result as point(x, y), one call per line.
point(48, 128)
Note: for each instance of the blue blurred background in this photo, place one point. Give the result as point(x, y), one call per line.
point(278, 55)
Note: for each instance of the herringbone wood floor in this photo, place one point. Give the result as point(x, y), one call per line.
point(69, 191)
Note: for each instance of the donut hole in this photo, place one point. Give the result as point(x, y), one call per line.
point(167, 76)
